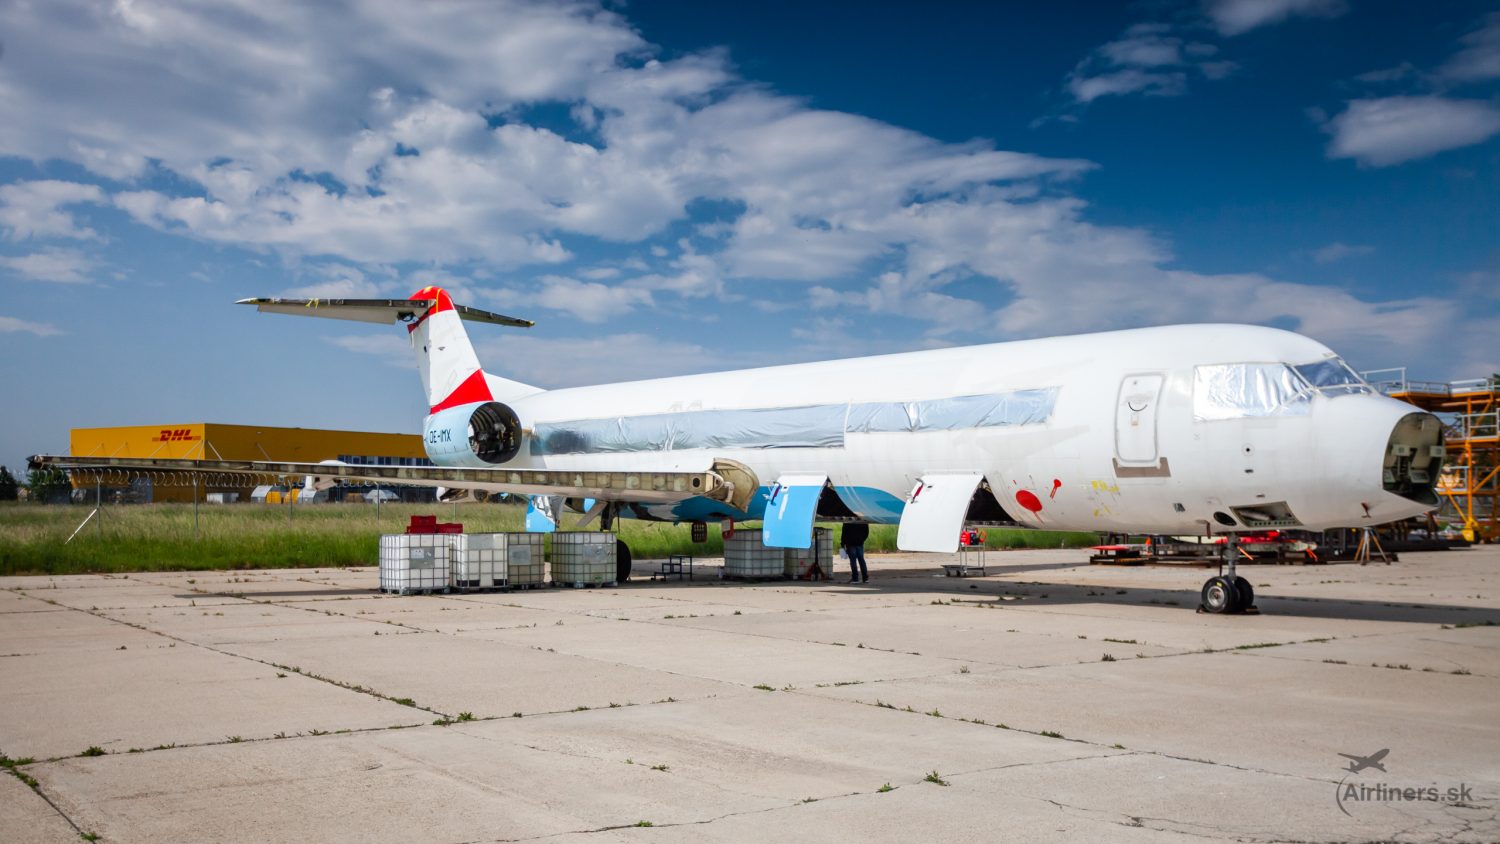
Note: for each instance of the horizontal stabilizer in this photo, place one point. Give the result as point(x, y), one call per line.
point(387, 311)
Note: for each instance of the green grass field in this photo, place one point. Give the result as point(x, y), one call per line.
point(159, 537)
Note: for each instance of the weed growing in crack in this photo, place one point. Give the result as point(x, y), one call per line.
point(934, 778)
point(94, 750)
point(1107, 658)
point(885, 788)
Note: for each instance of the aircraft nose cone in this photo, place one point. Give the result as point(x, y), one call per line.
point(1413, 458)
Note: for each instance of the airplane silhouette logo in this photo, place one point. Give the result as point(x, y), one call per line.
point(1360, 763)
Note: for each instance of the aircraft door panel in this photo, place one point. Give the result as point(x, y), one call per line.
point(935, 511)
point(1136, 418)
point(790, 510)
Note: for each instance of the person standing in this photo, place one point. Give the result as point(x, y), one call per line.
point(852, 537)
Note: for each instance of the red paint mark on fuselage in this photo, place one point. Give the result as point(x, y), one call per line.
point(1056, 485)
point(1026, 498)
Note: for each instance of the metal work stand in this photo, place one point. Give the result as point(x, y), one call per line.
point(678, 564)
point(1369, 547)
point(971, 560)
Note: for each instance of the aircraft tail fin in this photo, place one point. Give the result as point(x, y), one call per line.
point(450, 369)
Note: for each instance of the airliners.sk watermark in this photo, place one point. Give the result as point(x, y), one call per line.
point(1355, 794)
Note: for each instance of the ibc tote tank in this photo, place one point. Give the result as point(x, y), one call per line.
point(583, 558)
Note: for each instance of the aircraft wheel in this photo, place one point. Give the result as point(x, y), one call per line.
point(622, 561)
point(1220, 596)
point(1245, 592)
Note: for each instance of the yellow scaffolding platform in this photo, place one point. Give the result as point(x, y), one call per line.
point(1470, 410)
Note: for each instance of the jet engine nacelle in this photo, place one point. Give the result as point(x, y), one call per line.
point(475, 435)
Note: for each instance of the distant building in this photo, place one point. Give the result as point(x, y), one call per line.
point(212, 441)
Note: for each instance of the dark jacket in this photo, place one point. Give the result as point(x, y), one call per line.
point(854, 533)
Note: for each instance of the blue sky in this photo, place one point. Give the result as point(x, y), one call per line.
point(684, 187)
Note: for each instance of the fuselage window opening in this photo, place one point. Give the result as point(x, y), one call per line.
point(1240, 390)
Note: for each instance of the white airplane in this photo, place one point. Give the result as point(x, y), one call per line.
point(1171, 430)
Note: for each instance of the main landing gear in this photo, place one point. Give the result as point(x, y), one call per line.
point(622, 551)
point(1227, 592)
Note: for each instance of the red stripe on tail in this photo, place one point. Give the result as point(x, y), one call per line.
point(473, 389)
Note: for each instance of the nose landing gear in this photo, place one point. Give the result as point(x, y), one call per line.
point(1228, 593)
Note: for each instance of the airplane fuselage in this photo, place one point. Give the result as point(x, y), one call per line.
point(1157, 430)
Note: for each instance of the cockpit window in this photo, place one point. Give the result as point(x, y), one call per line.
point(1238, 390)
point(1331, 377)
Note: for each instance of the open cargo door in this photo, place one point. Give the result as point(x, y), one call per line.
point(935, 512)
point(790, 510)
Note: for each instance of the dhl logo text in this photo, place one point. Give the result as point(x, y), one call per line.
point(175, 435)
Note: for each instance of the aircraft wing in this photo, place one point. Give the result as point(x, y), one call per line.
point(643, 487)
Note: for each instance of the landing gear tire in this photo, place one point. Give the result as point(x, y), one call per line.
point(1245, 592)
point(1220, 596)
point(622, 561)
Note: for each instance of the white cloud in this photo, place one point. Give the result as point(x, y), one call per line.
point(1147, 58)
point(908, 296)
point(12, 325)
point(586, 300)
point(1479, 60)
point(65, 266)
point(388, 135)
point(1236, 17)
point(1146, 45)
point(1382, 132)
point(1337, 251)
point(341, 282)
point(1086, 89)
point(1405, 70)
point(34, 209)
